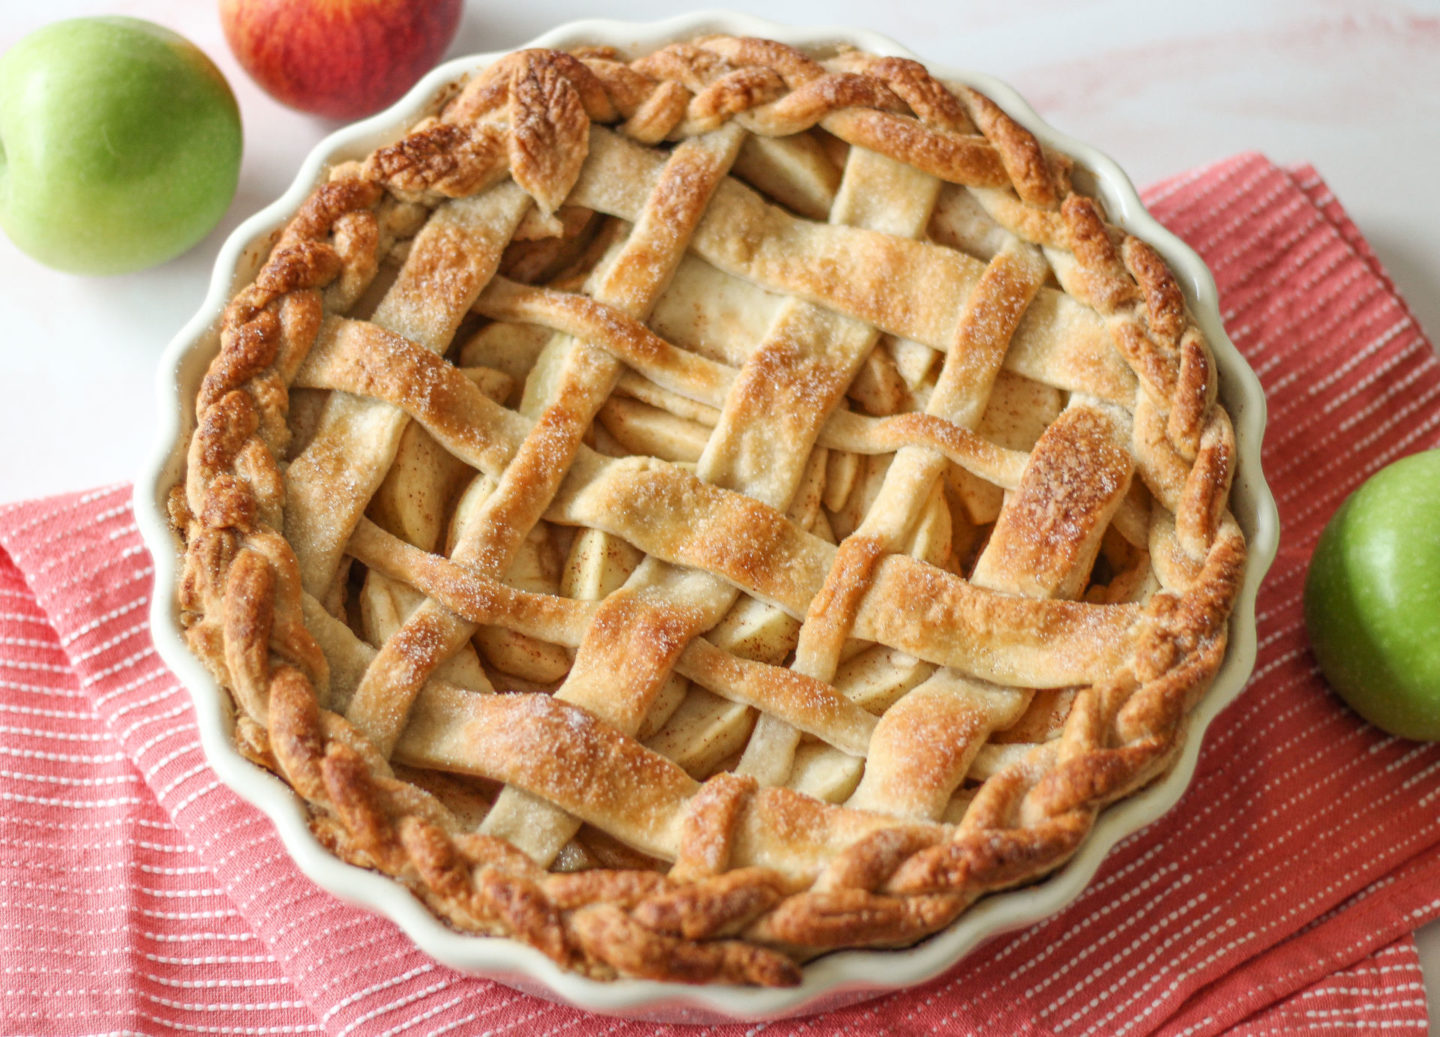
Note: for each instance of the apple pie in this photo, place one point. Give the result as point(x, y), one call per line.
point(695, 511)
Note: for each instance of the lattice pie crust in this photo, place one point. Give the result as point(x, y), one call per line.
point(694, 513)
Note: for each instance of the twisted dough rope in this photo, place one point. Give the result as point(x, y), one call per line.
point(527, 116)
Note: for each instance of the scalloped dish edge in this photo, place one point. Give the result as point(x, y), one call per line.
point(836, 979)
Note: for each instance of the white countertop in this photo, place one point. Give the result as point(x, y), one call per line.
point(1351, 86)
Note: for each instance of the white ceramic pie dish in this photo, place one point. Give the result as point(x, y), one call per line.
point(838, 978)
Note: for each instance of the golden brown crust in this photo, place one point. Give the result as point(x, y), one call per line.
point(760, 878)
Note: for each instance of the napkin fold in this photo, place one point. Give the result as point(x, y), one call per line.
point(138, 894)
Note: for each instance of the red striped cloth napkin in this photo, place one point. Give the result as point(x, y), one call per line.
point(138, 894)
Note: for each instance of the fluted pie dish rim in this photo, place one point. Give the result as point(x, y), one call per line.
point(837, 977)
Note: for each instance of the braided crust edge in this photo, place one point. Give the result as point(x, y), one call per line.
point(240, 589)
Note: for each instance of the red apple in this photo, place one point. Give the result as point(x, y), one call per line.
point(339, 58)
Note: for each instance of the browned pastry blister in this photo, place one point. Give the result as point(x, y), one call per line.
point(694, 513)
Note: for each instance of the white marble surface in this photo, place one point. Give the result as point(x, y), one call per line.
point(1352, 86)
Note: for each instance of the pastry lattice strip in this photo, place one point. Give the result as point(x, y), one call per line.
point(320, 353)
point(744, 452)
point(529, 824)
point(250, 595)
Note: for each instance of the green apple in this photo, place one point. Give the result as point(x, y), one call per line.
point(119, 144)
point(1372, 598)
